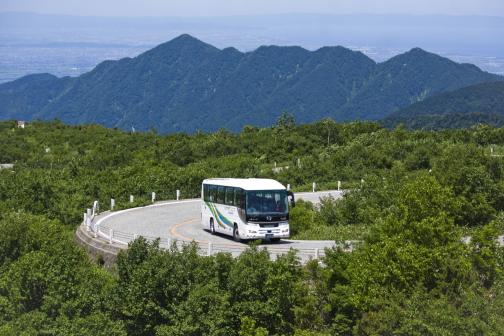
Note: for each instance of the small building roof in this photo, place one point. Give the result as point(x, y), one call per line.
point(247, 183)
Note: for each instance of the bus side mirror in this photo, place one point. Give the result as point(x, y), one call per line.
point(292, 201)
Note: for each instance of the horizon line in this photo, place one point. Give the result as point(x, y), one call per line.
point(259, 15)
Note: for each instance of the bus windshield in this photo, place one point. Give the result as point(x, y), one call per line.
point(270, 201)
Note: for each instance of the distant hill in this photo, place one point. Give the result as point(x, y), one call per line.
point(481, 103)
point(188, 85)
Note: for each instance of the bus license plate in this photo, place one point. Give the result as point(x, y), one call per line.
point(269, 235)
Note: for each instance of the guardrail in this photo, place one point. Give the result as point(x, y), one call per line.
point(112, 236)
point(103, 231)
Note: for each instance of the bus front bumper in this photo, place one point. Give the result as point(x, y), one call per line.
point(280, 232)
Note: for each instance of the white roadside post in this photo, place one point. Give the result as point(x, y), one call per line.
point(86, 222)
point(339, 185)
point(153, 197)
point(112, 204)
point(132, 198)
point(316, 253)
point(96, 208)
point(209, 249)
point(288, 186)
point(89, 222)
point(88, 217)
point(314, 187)
point(178, 194)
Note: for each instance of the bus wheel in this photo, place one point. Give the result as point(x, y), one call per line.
point(212, 227)
point(236, 234)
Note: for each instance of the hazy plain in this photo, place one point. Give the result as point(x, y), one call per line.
point(70, 45)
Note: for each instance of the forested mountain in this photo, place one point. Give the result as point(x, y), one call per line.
point(481, 103)
point(186, 85)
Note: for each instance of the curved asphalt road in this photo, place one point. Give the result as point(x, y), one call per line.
point(181, 221)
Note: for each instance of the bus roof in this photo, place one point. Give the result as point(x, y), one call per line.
point(247, 183)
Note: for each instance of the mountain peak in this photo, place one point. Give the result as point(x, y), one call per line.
point(186, 38)
point(185, 44)
point(415, 56)
point(418, 50)
point(187, 41)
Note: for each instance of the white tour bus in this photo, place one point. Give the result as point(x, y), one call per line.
point(246, 208)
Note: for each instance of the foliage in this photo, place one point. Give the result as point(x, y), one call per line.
point(47, 284)
point(414, 196)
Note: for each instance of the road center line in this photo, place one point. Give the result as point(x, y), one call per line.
point(173, 231)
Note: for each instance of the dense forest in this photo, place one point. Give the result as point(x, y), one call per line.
point(412, 196)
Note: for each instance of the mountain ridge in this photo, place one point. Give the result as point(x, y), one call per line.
point(480, 103)
point(185, 85)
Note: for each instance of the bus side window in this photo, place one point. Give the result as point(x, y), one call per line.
point(240, 198)
point(205, 193)
point(230, 196)
point(212, 191)
point(221, 191)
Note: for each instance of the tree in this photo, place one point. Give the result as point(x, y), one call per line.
point(286, 121)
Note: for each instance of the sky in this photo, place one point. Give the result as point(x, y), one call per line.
point(253, 7)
